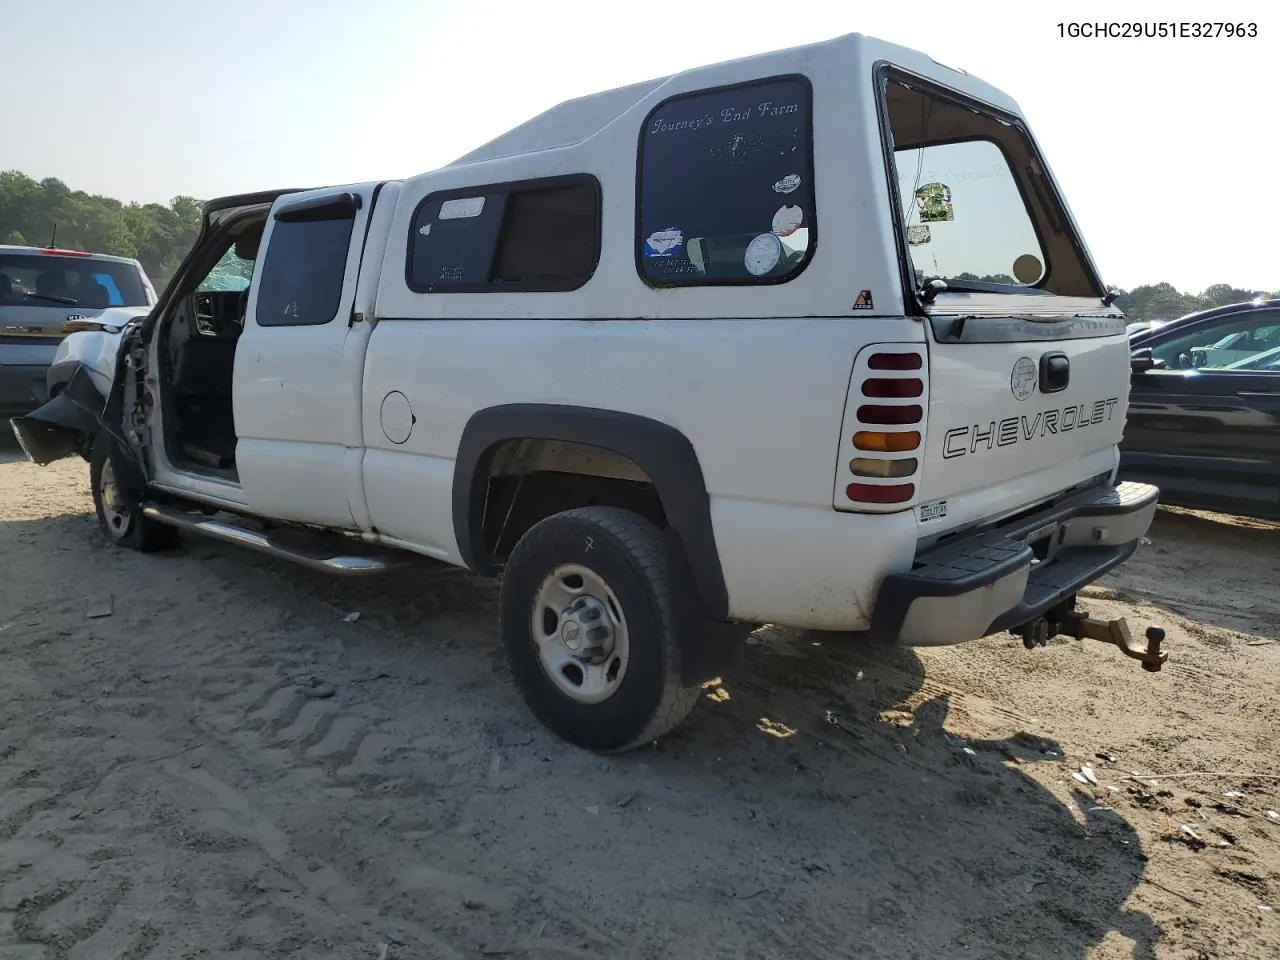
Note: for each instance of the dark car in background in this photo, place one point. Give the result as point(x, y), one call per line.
point(46, 294)
point(1204, 410)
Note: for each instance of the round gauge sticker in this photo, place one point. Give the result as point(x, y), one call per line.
point(763, 254)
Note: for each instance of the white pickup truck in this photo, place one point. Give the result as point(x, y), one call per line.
point(809, 338)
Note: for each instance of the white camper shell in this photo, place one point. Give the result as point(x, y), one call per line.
point(808, 338)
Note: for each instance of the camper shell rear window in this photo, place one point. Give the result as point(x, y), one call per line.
point(725, 186)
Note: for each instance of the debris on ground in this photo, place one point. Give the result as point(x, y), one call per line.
point(1228, 838)
point(351, 617)
point(101, 608)
point(317, 689)
point(1188, 835)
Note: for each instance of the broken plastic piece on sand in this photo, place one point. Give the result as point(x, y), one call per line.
point(1188, 835)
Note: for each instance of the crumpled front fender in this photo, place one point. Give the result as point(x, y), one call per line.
point(66, 424)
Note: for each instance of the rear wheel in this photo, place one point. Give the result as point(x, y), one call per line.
point(119, 515)
point(587, 604)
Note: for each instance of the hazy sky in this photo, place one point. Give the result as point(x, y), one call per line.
point(1164, 147)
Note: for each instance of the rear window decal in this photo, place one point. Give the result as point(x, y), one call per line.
point(663, 243)
point(762, 254)
point(1028, 269)
point(787, 184)
point(787, 221)
point(863, 301)
point(461, 208)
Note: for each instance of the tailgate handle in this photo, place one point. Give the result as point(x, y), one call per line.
point(1055, 372)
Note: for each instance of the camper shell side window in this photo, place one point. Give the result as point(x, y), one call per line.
point(526, 236)
point(725, 192)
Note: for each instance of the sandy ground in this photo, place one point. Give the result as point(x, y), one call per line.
point(167, 791)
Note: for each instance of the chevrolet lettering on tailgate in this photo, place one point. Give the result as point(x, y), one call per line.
point(963, 441)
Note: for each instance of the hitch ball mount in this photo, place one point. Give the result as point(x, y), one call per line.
point(1079, 625)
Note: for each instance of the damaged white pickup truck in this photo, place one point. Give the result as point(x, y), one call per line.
point(809, 338)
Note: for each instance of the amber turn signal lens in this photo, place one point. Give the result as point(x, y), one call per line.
point(878, 442)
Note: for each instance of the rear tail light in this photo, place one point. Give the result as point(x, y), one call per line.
point(882, 442)
point(880, 493)
point(884, 422)
point(889, 415)
point(887, 469)
point(79, 326)
point(903, 388)
point(895, 361)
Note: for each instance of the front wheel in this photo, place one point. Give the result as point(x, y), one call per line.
point(120, 515)
point(587, 621)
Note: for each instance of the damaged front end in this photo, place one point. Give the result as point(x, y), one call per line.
point(84, 384)
point(65, 425)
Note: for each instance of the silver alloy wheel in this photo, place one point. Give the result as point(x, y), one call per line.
point(581, 633)
point(115, 513)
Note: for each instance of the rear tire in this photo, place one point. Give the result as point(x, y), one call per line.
point(587, 603)
point(119, 515)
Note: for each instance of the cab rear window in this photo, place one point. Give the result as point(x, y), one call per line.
point(725, 185)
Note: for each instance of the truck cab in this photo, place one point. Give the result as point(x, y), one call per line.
point(808, 338)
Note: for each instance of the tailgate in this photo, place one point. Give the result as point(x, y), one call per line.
point(1014, 421)
point(30, 335)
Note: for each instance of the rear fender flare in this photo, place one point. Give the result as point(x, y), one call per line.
point(657, 448)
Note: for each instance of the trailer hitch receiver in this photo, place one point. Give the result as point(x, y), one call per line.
point(1082, 626)
point(1078, 624)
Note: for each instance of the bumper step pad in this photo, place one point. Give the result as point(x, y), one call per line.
point(974, 561)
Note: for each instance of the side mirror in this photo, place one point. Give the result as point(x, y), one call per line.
point(1141, 360)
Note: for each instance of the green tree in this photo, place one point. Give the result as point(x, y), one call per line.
point(159, 236)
